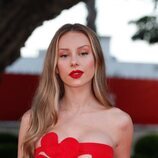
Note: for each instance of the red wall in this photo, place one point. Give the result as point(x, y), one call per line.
point(16, 92)
point(135, 96)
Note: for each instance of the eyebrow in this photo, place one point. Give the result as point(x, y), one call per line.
point(83, 46)
point(77, 48)
point(63, 49)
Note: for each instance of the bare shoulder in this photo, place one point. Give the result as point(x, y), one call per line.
point(24, 125)
point(120, 118)
point(119, 127)
point(121, 115)
point(25, 121)
point(26, 117)
point(122, 133)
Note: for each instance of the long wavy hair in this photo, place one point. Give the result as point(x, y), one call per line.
point(45, 105)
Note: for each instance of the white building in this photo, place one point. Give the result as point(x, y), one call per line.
point(114, 67)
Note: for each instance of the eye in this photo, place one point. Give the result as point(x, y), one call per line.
point(84, 53)
point(63, 56)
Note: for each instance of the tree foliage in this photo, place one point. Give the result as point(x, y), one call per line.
point(147, 27)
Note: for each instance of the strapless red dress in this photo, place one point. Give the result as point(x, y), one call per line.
point(70, 148)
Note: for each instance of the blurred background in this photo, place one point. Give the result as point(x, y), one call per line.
point(128, 32)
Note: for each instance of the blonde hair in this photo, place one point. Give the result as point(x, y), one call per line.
point(44, 111)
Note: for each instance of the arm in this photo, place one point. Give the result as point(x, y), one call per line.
point(22, 131)
point(125, 135)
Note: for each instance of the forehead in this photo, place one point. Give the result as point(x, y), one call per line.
point(75, 39)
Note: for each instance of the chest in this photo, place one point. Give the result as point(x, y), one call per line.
point(85, 128)
point(84, 133)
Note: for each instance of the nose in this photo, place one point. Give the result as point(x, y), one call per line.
point(74, 61)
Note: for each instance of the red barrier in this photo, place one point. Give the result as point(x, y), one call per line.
point(137, 97)
point(16, 92)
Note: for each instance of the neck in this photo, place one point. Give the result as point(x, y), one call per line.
point(77, 98)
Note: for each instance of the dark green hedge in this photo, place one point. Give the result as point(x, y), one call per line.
point(146, 147)
point(8, 145)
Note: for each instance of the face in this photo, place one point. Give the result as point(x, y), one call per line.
point(75, 64)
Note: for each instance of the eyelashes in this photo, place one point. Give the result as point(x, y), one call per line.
point(80, 54)
point(63, 56)
point(84, 53)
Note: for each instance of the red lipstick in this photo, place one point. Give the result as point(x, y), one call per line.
point(76, 74)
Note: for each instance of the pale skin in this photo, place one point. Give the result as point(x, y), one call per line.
point(82, 116)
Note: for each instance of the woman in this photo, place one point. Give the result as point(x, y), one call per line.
point(71, 116)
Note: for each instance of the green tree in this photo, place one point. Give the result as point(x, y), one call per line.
point(147, 27)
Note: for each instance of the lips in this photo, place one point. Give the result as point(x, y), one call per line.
point(76, 74)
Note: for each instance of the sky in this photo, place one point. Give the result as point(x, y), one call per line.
point(112, 20)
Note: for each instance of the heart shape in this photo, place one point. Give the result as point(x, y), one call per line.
point(67, 148)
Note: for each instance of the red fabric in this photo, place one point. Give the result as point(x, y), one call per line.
point(71, 148)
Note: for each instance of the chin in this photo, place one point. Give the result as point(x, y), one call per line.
point(78, 84)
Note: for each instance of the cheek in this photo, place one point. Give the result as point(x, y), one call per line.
point(60, 67)
point(90, 68)
point(91, 63)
